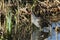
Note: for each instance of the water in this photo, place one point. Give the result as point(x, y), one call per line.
point(54, 24)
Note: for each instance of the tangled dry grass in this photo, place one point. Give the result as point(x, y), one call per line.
point(16, 17)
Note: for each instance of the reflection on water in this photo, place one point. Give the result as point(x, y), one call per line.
point(52, 37)
point(54, 24)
